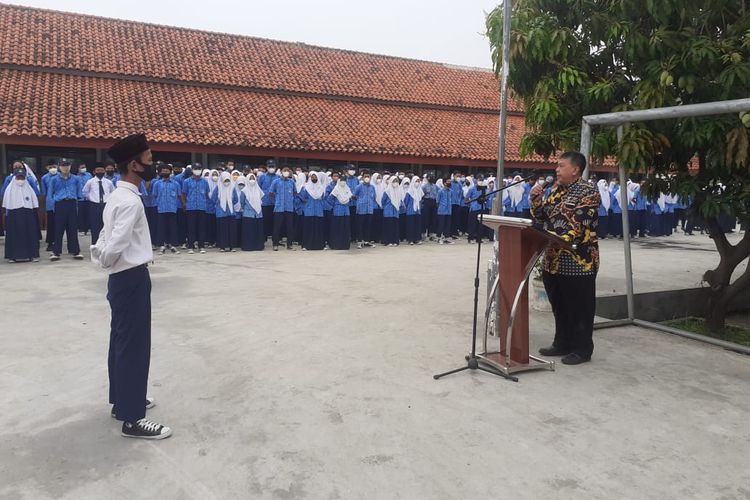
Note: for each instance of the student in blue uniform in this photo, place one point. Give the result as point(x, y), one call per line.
point(264, 182)
point(364, 200)
point(332, 179)
point(64, 189)
point(444, 208)
point(167, 193)
point(239, 185)
point(312, 197)
point(641, 211)
point(457, 196)
point(282, 192)
point(179, 175)
point(474, 232)
point(405, 185)
point(20, 201)
point(352, 181)
point(429, 207)
point(379, 183)
point(253, 236)
point(49, 202)
point(212, 178)
point(413, 205)
point(195, 192)
point(97, 191)
point(224, 197)
point(300, 178)
point(339, 198)
point(392, 203)
point(615, 222)
point(525, 208)
point(83, 203)
point(149, 205)
point(602, 230)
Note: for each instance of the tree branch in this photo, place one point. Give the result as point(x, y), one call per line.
point(739, 284)
point(720, 239)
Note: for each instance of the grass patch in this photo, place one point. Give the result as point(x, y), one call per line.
point(731, 333)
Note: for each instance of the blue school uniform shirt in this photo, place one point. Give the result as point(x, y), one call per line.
point(167, 195)
point(615, 197)
point(472, 195)
point(409, 205)
point(247, 209)
point(264, 182)
point(457, 194)
point(284, 191)
point(339, 209)
point(640, 201)
point(444, 206)
point(310, 206)
point(430, 191)
point(147, 194)
point(328, 205)
point(352, 182)
point(196, 193)
point(48, 202)
point(388, 209)
point(83, 179)
point(366, 203)
point(114, 178)
point(220, 212)
point(65, 189)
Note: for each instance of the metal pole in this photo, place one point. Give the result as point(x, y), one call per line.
point(497, 209)
point(624, 202)
point(693, 336)
point(586, 146)
point(683, 111)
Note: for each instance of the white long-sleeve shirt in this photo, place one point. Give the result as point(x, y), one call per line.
point(124, 242)
point(91, 189)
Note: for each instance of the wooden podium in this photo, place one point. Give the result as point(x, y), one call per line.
point(519, 247)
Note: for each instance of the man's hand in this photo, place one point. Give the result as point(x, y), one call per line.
point(536, 193)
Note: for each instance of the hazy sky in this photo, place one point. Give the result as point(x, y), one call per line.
point(448, 31)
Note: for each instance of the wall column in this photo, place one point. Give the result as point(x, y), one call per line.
point(3, 157)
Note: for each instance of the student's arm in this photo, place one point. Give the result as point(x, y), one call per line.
point(124, 218)
point(86, 188)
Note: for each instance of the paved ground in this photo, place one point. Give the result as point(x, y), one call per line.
point(309, 375)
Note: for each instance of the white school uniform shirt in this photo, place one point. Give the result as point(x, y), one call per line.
point(91, 189)
point(125, 241)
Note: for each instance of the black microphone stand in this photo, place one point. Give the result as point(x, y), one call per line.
point(472, 359)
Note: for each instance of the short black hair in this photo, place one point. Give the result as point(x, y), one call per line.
point(575, 158)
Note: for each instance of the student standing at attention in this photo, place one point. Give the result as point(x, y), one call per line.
point(96, 192)
point(124, 251)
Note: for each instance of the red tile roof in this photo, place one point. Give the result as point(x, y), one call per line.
point(68, 75)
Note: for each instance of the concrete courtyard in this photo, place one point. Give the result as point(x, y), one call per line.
point(295, 375)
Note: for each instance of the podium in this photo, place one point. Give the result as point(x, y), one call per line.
point(520, 245)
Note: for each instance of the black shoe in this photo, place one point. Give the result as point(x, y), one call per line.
point(145, 429)
point(574, 359)
point(553, 351)
point(150, 403)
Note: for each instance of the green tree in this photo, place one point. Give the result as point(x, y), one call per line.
point(571, 58)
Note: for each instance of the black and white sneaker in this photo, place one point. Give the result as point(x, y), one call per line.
point(150, 403)
point(145, 429)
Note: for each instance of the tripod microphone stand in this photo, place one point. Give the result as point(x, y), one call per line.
point(472, 360)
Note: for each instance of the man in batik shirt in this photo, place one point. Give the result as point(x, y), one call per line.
point(571, 212)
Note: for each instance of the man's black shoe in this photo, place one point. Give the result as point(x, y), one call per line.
point(574, 359)
point(553, 351)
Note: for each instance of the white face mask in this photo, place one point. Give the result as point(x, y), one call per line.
point(215, 178)
point(271, 170)
point(401, 177)
point(197, 173)
point(251, 182)
point(285, 174)
point(227, 182)
point(350, 172)
point(20, 182)
point(82, 170)
point(53, 171)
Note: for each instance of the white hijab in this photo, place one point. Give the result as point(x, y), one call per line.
point(661, 201)
point(342, 192)
point(253, 193)
point(299, 181)
point(240, 180)
point(604, 193)
point(377, 181)
point(207, 175)
point(395, 194)
point(516, 192)
point(439, 183)
point(19, 196)
point(225, 193)
point(415, 191)
point(316, 190)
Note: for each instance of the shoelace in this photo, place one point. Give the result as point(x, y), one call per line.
point(148, 426)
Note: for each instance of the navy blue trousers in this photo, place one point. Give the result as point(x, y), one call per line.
point(129, 296)
point(66, 222)
point(196, 228)
point(166, 229)
point(96, 222)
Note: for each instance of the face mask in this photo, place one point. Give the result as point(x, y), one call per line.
point(252, 182)
point(20, 182)
point(164, 175)
point(299, 172)
point(82, 170)
point(197, 173)
point(110, 173)
point(215, 178)
point(447, 184)
point(314, 180)
point(366, 180)
point(100, 174)
point(350, 172)
point(271, 170)
point(53, 171)
point(227, 182)
point(240, 186)
point(177, 172)
point(64, 170)
point(395, 184)
point(401, 177)
point(149, 171)
point(285, 174)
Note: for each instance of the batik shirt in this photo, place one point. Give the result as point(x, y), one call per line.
point(571, 212)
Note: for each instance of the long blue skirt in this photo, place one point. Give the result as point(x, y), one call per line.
point(253, 235)
point(341, 232)
point(22, 234)
point(390, 231)
point(413, 228)
point(313, 233)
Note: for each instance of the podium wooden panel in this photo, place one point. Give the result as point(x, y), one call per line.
point(520, 245)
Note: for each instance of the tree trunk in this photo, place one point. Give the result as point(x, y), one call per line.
point(722, 290)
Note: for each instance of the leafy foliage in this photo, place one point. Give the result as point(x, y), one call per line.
point(571, 58)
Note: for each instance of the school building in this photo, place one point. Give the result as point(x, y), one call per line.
point(72, 84)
